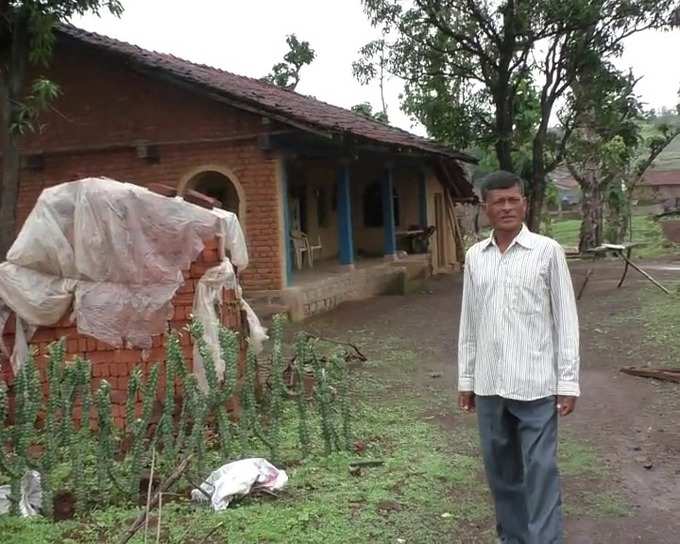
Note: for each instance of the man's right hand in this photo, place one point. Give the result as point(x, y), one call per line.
point(466, 401)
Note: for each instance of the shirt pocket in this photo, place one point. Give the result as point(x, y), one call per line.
point(528, 292)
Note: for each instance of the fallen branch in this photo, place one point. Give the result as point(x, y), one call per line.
point(664, 374)
point(194, 486)
point(367, 463)
point(358, 353)
point(165, 486)
point(212, 532)
point(148, 494)
point(589, 273)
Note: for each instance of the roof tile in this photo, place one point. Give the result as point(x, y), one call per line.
point(289, 104)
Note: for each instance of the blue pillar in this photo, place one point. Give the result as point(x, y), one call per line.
point(422, 200)
point(388, 213)
point(287, 242)
point(345, 237)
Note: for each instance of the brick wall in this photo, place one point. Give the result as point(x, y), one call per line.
point(106, 107)
point(117, 365)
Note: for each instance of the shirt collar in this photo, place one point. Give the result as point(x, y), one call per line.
point(523, 238)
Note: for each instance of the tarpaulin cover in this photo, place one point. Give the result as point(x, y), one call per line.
point(114, 251)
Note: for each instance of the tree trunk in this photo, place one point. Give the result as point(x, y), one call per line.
point(617, 218)
point(591, 209)
point(11, 86)
point(9, 193)
point(504, 133)
point(537, 189)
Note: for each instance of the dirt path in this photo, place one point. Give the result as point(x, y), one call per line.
point(631, 422)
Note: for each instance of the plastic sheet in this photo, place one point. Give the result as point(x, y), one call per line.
point(238, 479)
point(115, 251)
point(207, 299)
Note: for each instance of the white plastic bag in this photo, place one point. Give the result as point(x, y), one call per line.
point(31, 495)
point(238, 479)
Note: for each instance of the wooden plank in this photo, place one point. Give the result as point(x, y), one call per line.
point(664, 374)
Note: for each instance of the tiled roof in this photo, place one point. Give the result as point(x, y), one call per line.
point(301, 110)
point(662, 177)
point(563, 179)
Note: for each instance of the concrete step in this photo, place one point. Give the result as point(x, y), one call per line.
point(263, 297)
point(266, 311)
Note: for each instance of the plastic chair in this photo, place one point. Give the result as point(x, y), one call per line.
point(300, 246)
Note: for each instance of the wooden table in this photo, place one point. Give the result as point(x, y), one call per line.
point(410, 235)
point(623, 251)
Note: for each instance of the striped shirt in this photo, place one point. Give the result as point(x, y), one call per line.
point(519, 336)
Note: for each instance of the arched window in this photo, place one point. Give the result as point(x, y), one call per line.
point(218, 186)
point(373, 205)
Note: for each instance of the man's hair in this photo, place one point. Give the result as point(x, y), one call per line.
point(500, 179)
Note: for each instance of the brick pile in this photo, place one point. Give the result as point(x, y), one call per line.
point(116, 365)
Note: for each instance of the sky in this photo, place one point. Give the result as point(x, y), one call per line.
point(249, 36)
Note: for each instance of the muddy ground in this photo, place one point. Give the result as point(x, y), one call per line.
point(631, 422)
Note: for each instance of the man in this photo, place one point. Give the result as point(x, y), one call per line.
point(518, 362)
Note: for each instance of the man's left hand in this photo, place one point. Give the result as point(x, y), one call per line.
point(565, 405)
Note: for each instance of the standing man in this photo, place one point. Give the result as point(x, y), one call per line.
point(518, 362)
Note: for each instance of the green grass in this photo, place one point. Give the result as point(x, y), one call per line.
point(566, 232)
point(660, 316)
point(645, 230)
point(426, 491)
point(429, 490)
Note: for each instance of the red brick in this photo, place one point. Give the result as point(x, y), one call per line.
point(187, 288)
point(156, 355)
point(100, 370)
point(211, 243)
point(210, 256)
point(118, 397)
point(127, 356)
point(183, 300)
point(65, 321)
point(43, 334)
point(198, 269)
point(100, 357)
point(67, 332)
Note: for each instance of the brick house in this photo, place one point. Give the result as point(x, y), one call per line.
point(282, 161)
point(660, 187)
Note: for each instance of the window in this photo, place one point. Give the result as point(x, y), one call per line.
point(373, 206)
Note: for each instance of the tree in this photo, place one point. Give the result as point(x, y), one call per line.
point(652, 147)
point(371, 65)
point(287, 73)
point(366, 110)
point(491, 73)
point(26, 41)
point(606, 135)
point(608, 153)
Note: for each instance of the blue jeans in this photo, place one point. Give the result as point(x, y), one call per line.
point(519, 446)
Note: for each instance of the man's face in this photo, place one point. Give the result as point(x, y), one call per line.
point(506, 208)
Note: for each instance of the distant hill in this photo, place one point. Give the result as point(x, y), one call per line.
point(670, 158)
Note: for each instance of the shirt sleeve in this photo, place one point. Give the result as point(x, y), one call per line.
point(565, 319)
point(467, 335)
